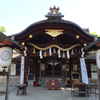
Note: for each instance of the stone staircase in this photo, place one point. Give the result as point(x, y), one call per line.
point(13, 80)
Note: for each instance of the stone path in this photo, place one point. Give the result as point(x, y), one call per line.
point(40, 93)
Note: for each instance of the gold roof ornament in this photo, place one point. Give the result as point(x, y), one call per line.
point(30, 36)
point(77, 36)
point(85, 44)
point(53, 32)
point(23, 43)
point(54, 13)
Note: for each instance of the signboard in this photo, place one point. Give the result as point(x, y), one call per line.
point(22, 70)
point(83, 71)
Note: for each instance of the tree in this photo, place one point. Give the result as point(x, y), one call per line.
point(94, 33)
point(2, 29)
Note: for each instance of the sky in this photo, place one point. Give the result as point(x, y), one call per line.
point(16, 15)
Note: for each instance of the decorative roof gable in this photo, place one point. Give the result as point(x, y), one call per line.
point(54, 13)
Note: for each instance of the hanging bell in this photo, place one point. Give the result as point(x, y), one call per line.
point(34, 51)
point(72, 52)
point(63, 56)
point(45, 55)
point(54, 51)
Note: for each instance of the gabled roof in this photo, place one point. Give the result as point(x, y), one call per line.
point(72, 33)
point(6, 41)
point(92, 45)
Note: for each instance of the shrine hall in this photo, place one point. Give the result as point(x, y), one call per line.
point(52, 50)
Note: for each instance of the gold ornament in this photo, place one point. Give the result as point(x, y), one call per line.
point(30, 36)
point(34, 51)
point(72, 52)
point(85, 44)
point(45, 55)
point(23, 43)
point(54, 32)
point(63, 56)
point(77, 36)
point(54, 51)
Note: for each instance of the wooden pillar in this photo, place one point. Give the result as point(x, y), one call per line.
point(25, 69)
point(34, 67)
point(53, 69)
point(40, 75)
point(71, 70)
point(8, 84)
point(71, 67)
point(66, 76)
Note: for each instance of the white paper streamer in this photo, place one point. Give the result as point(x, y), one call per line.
point(50, 51)
point(41, 54)
point(59, 53)
point(68, 56)
point(82, 55)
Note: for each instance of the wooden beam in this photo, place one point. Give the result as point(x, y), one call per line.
point(98, 45)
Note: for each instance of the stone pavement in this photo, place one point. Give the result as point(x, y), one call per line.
point(40, 93)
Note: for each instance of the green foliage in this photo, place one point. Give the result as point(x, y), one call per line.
point(94, 33)
point(2, 29)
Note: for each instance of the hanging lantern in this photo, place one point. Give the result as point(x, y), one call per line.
point(54, 51)
point(5, 56)
point(72, 52)
point(63, 56)
point(45, 55)
point(34, 51)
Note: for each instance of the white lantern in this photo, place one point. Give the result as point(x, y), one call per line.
point(5, 56)
point(98, 58)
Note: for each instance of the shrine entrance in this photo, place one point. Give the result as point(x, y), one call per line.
point(53, 47)
point(50, 68)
